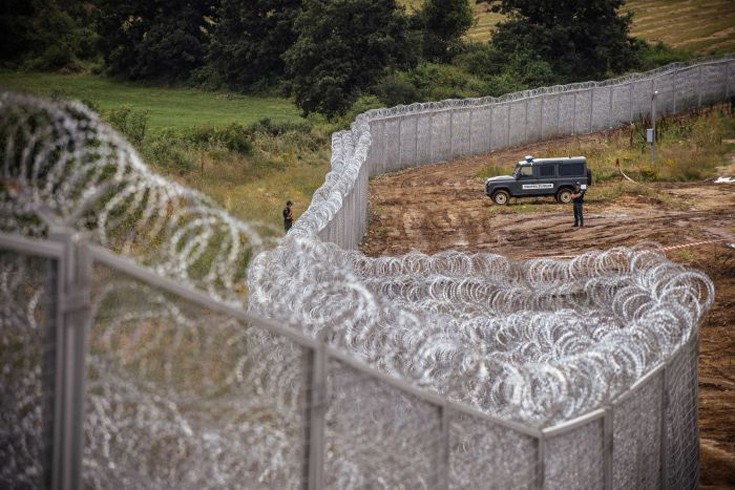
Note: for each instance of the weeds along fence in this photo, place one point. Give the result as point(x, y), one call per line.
point(386, 140)
point(150, 340)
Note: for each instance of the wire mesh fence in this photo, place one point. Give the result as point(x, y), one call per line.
point(151, 340)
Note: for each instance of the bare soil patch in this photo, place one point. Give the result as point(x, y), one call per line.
point(443, 207)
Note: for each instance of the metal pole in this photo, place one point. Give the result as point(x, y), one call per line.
point(317, 413)
point(400, 140)
point(443, 463)
point(416, 161)
point(653, 119)
point(71, 354)
point(507, 144)
point(673, 87)
point(525, 121)
point(663, 447)
point(592, 102)
point(451, 134)
point(543, 99)
point(607, 448)
point(470, 127)
point(431, 137)
point(540, 462)
point(610, 109)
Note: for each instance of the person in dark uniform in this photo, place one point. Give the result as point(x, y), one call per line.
point(287, 216)
point(578, 202)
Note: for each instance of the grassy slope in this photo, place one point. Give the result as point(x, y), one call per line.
point(166, 107)
point(702, 26)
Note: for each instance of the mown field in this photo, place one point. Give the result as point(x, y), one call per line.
point(701, 27)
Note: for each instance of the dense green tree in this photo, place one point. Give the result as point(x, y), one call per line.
point(579, 39)
point(154, 39)
point(444, 23)
point(343, 47)
point(250, 38)
point(42, 35)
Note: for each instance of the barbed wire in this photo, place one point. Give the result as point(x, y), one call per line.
point(536, 341)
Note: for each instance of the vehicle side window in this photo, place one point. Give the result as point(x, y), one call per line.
point(546, 171)
point(570, 169)
point(526, 172)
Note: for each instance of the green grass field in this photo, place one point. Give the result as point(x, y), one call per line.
point(165, 107)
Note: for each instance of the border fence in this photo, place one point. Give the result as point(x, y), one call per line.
point(128, 361)
point(386, 140)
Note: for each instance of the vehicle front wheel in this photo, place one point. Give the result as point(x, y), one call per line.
point(501, 198)
point(564, 196)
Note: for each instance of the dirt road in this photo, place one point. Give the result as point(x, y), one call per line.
point(443, 207)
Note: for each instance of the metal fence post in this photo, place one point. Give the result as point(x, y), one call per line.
point(663, 455)
point(592, 101)
point(543, 99)
point(71, 340)
point(443, 464)
point(431, 138)
point(451, 133)
point(525, 121)
point(673, 87)
point(695, 397)
point(316, 416)
point(416, 162)
point(607, 448)
point(540, 461)
point(400, 141)
point(727, 80)
point(630, 102)
point(469, 127)
point(508, 125)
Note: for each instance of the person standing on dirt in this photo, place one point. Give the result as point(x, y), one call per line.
point(578, 203)
point(287, 216)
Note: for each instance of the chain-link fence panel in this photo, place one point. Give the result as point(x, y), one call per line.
point(180, 396)
point(28, 322)
point(483, 454)
point(574, 459)
point(637, 444)
point(378, 436)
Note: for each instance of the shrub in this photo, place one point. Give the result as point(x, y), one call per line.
point(393, 90)
point(169, 150)
point(131, 123)
point(269, 127)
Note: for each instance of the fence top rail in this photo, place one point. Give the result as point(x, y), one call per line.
point(555, 90)
point(128, 267)
point(29, 246)
point(431, 397)
point(571, 425)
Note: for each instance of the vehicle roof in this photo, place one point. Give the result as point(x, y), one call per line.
point(538, 161)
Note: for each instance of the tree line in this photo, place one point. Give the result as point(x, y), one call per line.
point(331, 56)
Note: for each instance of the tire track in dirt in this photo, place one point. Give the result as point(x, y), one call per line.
point(443, 207)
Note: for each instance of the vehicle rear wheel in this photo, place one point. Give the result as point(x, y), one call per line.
point(501, 198)
point(564, 196)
